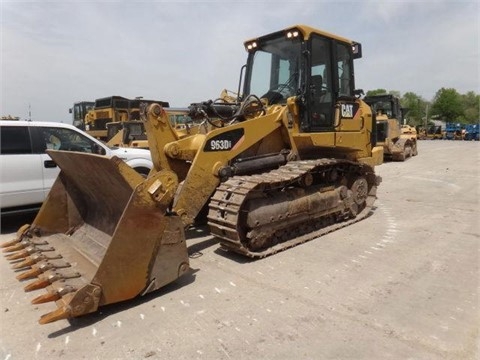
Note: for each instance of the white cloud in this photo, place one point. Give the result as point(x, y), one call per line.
point(56, 53)
point(433, 45)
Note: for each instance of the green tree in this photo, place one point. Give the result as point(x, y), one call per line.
point(447, 105)
point(416, 106)
point(376, 92)
point(471, 106)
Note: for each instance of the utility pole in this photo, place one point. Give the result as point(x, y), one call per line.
point(426, 117)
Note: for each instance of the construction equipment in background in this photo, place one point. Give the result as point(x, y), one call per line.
point(458, 131)
point(472, 132)
point(432, 132)
point(289, 160)
point(455, 131)
point(116, 120)
point(114, 109)
point(126, 134)
point(10, 117)
point(79, 111)
point(410, 130)
point(132, 133)
point(184, 125)
point(398, 143)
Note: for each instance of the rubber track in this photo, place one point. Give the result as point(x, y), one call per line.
point(226, 203)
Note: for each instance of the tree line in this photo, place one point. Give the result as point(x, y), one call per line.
point(448, 105)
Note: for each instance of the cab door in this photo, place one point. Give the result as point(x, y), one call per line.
point(320, 95)
point(21, 173)
point(43, 140)
point(348, 115)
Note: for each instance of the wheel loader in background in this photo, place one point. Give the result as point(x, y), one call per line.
point(398, 142)
point(291, 159)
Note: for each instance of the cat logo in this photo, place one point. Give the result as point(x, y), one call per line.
point(347, 110)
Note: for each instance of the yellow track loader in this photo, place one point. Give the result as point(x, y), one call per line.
point(398, 143)
point(290, 159)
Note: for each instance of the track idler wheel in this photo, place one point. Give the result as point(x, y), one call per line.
point(360, 191)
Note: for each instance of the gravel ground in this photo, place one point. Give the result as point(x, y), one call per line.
point(401, 284)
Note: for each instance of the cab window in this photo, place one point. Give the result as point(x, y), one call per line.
point(320, 87)
point(344, 71)
point(15, 140)
point(64, 139)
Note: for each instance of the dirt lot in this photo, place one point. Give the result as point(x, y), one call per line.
point(402, 284)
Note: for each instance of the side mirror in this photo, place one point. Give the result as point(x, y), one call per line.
point(358, 92)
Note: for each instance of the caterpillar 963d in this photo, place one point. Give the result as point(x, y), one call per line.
point(289, 160)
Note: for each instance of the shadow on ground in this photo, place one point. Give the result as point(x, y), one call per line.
point(11, 223)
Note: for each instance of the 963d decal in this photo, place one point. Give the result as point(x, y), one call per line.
point(225, 141)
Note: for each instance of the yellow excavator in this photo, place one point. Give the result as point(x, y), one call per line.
point(288, 160)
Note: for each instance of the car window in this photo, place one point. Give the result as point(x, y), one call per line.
point(65, 139)
point(15, 140)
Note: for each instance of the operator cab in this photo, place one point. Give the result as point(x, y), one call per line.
point(79, 111)
point(315, 67)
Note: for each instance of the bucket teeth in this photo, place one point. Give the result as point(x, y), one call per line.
point(21, 234)
point(29, 274)
point(33, 259)
point(28, 251)
point(9, 243)
point(59, 314)
point(52, 295)
point(41, 283)
point(18, 255)
point(18, 246)
point(40, 269)
point(29, 261)
point(45, 280)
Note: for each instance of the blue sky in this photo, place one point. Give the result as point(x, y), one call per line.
point(54, 53)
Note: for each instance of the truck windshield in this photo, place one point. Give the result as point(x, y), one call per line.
point(274, 69)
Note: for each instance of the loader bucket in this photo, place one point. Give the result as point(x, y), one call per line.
point(103, 235)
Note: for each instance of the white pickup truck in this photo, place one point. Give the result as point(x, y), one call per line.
point(27, 173)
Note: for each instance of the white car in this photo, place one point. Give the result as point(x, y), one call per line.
point(27, 173)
